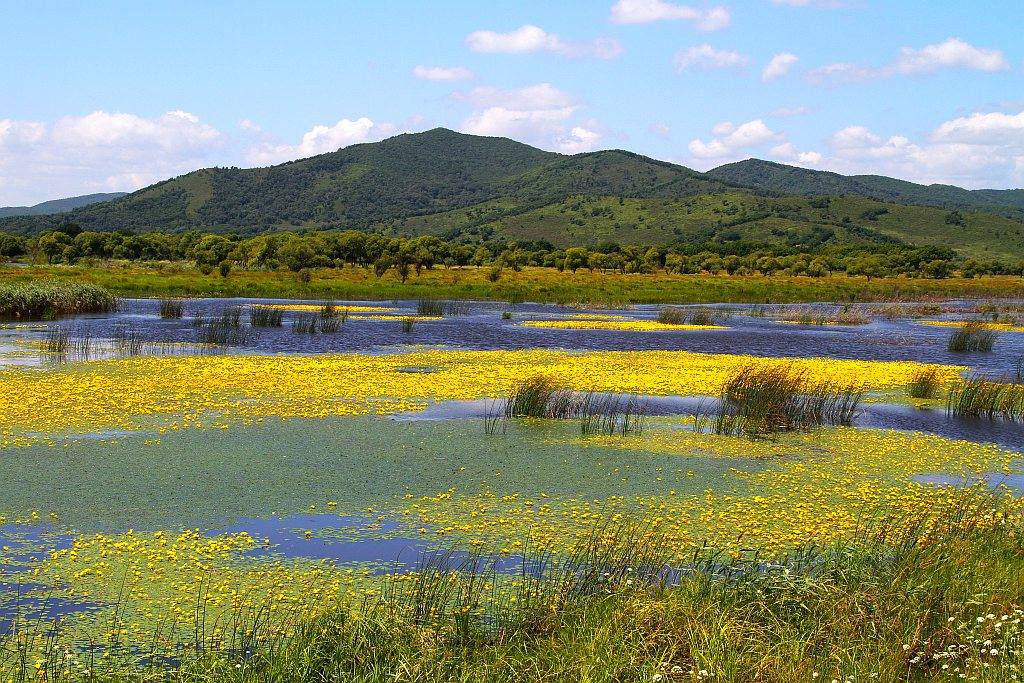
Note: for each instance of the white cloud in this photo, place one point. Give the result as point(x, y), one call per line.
point(530, 39)
point(788, 152)
point(778, 66)
point(730, 139)
point(785, 112)
point(661, 129)
point(645, 11)
point(980, 150)
point(831, 4)
point(706, 57)
point(539, 96)
point(319, 140)
point(100, 151)
point(442, 73)
point(952, 53)
point(580, 139)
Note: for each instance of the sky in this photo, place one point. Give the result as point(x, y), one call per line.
point(105, 95)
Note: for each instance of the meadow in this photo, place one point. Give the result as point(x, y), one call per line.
point(298, 485)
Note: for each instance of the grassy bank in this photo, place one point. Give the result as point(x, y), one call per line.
point(46, 298)
point(531, 284)
point(929, 599)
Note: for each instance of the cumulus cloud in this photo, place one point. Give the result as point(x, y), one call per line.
point(539, 114)
point(730, 139)
point(706, 57)
point(778, 66)
point(442, 73)
point(953, 53)
point(984, 149)
point(789, 153)
point(319, 140)
point(100, 151)
point(646, 11)
point(531, 39)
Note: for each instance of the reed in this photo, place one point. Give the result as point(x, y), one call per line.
point(266, 316)
point(430, 308)
point(925, 383)
point(541, 396)
point(305, 323)
point(128, 340)
point(171, 308)
point(671, 315)
point(57, 340)
point(330, 325)
point(759, 401)
point(611, 414)
point(972, 337)
point(51, 298)
point(407, 324)
point(983, 397)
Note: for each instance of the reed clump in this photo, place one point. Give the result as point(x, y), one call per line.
point(763, 400)
point(972, 337)
point(813, 315)
point(430, 308)
point(926, 383)
point(52, 298)
point(266, 316)
point(172, 308)
point(983, 397)
point(611, 414)
point(675, 315)
point(541, 396)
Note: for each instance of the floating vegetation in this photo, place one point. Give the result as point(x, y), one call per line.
point(926, 383)
point(621, 325)
point(1010, 326)
point(266, 316)
point(758, 401)
point(172, 308)
point(51, 298)
point(972, 337)
point(982, 397)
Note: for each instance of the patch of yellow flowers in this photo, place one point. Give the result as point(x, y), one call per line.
point(187, 392)
point(622, 325)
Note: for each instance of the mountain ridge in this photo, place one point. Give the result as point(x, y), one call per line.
point(53, 206)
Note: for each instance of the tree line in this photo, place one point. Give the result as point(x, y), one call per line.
point(409, 255)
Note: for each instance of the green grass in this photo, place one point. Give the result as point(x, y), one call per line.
point(903, 600)
point(531, 284)
point(47, 298)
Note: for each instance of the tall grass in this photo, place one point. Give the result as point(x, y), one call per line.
point(610, 414)
point(305, 323)
point(541, 396)
point(818, 315)
point(674, 315)
point(762, 400)
point(223, 329)
point(172, 308)
point(982, 397)
point(972, 337)
point(265, 316)
point(430, 308)
point(925, 383)
point(51, 298)
point(128, 340)
point(924, 597)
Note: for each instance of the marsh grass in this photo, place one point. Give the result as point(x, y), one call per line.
point(925, 383)
point(674, 315)
point(305, 323)
point(983, 397)
point(265, 316)
point(924, 597)
point(330, 325)
point(430, 308)
point(128, 340)
point(407, 324)
point(817, 315)
point(972, 337)
point(759, 401)
point(172, 308)
point(541, 396)
point(58, 340)
point(50, 298)
point(611, 414)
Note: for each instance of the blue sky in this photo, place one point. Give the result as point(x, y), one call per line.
point(102, 96)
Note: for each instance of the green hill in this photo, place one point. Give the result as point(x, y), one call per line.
point(59, 205)
point(768, 175)
point(470, 188)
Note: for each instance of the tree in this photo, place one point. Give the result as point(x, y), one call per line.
point(575, 258)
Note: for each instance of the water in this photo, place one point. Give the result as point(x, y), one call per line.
point(482, 328)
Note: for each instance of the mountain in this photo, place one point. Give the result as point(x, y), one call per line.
point(768, 175)
point(471, 188)
point(369, 185)
point(59, 205)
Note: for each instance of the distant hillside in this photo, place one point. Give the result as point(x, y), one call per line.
point(365, 185)
point(471, 188)
point(59, 205)
point(774, 177)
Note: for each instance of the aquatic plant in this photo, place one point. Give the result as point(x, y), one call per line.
point(541, 396)
point(983, 397)
point(265, 316)
point(972, 337)
point(671, 315)
point(49, 298)
point(330, 325)
point(757, 401)
point(430, 308)
point(611, 414)
point(128, 340)
point(818, 315)
point(925, 383)
point(407, 323)
point(305, 323)
point(171, 308)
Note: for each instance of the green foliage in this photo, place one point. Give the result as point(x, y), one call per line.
point(49, 298)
